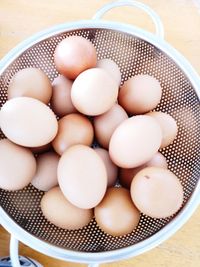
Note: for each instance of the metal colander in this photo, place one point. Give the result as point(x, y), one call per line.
point(136, 52)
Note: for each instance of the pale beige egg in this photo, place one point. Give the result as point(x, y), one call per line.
point(157, 192)
point(28, 122)
point(135, 141)
point(30, 82)
point(105, 124)
point(111, 67)
point(116, 215)
point(73, 129)
point(59, 211)
point(17, 166)
point(126, 175)
point(140, 94)
point(45, 177)
point(73, 55)
point(94, 92)
point(61, 102)
point(168, 126)
point(111, 168)
point(82, 176)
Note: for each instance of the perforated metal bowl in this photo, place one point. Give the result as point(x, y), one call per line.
point(136, 52)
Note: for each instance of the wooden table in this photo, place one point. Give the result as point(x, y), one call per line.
point(19, 19)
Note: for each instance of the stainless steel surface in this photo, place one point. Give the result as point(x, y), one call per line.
point(134, 56)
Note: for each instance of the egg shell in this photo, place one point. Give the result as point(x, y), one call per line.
point(140, 94)
point(126, 175)
point(187, 121)
point(73, 129)
point(157, 192)
point(30, 82)
point(28, 122)
point(116, 215)
point(168, 126)
point(61, 102)
point(45, 177)
point(17, 166)
point(82, 176)
point(111, 168)
point(73, 55)
point(59, 211)
point(105, 124)
point(135, 141)
point(94, 92)
point(111, 67)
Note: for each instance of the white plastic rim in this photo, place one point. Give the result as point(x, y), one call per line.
point(14, 251)
point(153, 15)
point(141, 247)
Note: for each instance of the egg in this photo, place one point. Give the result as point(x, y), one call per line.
point(157, 192)
point(30, 82)
point(126, 175)
point(94, 92)
point(17, 166)
point(116, 215)
point(111, 67)
point(158, 160)
point(28, 122)
point(168, 126)
point(59, 211)
point(111, 168)
point(135, 141)
point(73, 55)
point(105, 124)
point(45, 177)
point(188, 129)
point(73, 129)
point(61, 102)
point(140, 94)
point(82, 176)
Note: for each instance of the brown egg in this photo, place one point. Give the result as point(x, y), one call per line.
point(73, 55)
point(158, 160)
point(73, 129)
point(187, 121)
point(105, 124)
point(59, 211)
point(168, 126)
point(111, 67)
point(94, 92)
point(111, 168)
point(116, 214)
point(45, 177)
point(28, 122)
point(31, 82)
point(17, 166)
point(157, 192)
point(126, 175)
point(140, 94)
point(82, 176)
point(41, 149)
point(61, 102)
point(135, 141)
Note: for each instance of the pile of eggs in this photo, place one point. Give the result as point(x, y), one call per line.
point(101, 158)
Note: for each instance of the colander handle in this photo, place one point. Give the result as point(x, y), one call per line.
point(154, 16)
point(14, 251)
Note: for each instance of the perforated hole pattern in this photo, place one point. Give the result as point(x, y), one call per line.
point(134, 56)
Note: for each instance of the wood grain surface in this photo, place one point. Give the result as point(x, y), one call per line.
point(20, 19)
